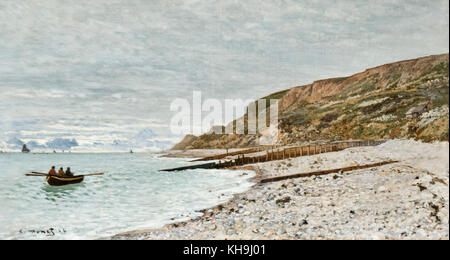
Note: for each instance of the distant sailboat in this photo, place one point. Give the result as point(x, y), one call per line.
point(25, 149)
point(131, 151)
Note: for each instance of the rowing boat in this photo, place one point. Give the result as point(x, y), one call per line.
point(55, 180)
point(60, 180)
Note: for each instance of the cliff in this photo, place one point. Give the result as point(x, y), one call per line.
point(373, 104)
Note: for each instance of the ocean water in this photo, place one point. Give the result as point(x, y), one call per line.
point(131, 195)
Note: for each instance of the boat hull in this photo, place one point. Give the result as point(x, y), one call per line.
point(61, 181)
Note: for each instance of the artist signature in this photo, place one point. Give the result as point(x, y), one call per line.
point(48, 232)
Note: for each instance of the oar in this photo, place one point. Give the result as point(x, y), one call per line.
point(40, 173)
point(43, 174)
point(91, 174)
point(34, 174)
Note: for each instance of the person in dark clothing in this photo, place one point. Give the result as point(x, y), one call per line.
point(68, 172)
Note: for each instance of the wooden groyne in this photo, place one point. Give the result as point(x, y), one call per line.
point(293, 152)
point(325, 172)
point(191, 167)
point(246, 151)
point(281, 154)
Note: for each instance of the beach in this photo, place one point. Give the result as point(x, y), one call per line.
point(405, 200)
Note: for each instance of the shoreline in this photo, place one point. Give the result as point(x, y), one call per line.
point(405, 200)
point(197, 153)
point(207, 212)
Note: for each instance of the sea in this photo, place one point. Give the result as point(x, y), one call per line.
point(131, 195)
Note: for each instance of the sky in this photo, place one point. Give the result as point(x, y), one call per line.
point(105, 72)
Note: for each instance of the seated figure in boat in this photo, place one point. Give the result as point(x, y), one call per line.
point(52, 171)
point(61, 172)
point(68, 172)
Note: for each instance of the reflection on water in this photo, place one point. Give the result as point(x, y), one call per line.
point(131, 195)
point(59, 192)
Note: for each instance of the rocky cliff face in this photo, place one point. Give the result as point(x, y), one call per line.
point(369, 105)
point(375, 79)
point(185, 143)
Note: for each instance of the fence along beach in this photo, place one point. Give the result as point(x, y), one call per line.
point(274, 154)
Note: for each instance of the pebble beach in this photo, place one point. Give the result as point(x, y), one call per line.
point(404, 200)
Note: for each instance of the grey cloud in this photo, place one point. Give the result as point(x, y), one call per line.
point(73, 59)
